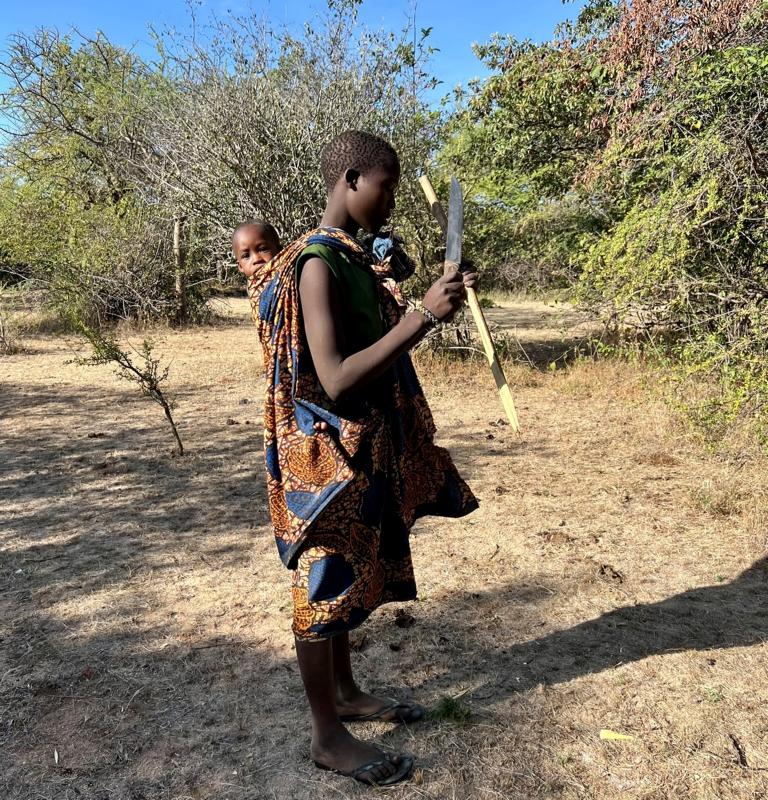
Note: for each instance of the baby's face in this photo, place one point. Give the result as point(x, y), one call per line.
point(253, 247)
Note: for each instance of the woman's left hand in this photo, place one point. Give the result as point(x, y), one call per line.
point(469, 273)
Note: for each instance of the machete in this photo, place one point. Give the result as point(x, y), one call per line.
point(453, 228)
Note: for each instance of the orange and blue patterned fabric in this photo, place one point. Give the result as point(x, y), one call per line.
point(379, 443)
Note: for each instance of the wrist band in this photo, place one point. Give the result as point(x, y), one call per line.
point(432, 320)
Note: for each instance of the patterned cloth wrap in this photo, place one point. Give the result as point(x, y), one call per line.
point(307, 469)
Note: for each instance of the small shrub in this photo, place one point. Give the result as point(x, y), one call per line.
point(719, 499)
point(449, 709)
point(147, 374)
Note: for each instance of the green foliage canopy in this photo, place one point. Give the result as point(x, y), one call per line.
point(628, 156)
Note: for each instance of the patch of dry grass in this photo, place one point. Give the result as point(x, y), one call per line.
point(145, 617)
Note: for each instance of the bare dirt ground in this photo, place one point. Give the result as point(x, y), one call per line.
point(613, 578)
point(540, 328)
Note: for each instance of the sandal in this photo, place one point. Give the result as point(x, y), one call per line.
point(392, 712)
point(359, 773)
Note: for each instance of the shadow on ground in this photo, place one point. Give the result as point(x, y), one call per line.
point(133, 715)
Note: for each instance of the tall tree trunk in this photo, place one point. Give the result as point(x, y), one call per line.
point(178, 258)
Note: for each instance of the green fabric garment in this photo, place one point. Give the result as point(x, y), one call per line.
point(361, 315)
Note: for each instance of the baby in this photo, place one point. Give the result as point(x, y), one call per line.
point(254, 243)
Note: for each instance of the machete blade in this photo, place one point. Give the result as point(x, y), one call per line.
point(455, 223)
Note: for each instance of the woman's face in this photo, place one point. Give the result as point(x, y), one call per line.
point(372, 198)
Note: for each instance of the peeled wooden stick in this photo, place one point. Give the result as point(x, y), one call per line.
point(477, 314)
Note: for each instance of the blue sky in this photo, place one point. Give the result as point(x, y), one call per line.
point(456, 24)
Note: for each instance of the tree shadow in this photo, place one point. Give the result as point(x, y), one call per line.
point(77, 489)
point(542, 354)
point(98, 519)
point(135, 714)
point(713, 617)
point(150, 719)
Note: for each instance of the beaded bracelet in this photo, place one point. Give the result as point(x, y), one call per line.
point(432, 320)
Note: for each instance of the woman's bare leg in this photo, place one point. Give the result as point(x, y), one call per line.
point(350, 699)
point(332, 744)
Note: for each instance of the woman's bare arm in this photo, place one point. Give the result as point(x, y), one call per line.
point(321, 307)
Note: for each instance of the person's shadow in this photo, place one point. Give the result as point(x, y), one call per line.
point(724, 615)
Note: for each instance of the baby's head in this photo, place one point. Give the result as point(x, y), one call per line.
point(362, 171)
point(254, 242)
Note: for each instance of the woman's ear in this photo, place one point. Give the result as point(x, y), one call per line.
point(351, 176)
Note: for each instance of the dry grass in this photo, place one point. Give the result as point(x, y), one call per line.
point(614, 577)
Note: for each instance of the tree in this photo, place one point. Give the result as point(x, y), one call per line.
point(76, 114)
point(241, 137)
point(630, 153)
point(105, 152)
point(143, 369)
point(521, 141)
point(77, 205)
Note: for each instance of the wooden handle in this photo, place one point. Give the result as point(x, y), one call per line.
point(434, 203)
point(477, 314)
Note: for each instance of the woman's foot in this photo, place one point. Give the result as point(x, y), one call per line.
point(354, 704)
point(341, 752)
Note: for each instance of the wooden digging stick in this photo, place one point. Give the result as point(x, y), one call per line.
point(477, 314)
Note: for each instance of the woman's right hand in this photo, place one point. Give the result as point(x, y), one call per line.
point(445, 296)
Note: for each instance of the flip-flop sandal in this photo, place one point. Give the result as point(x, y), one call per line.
point(404, 771)
point(392, 712)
